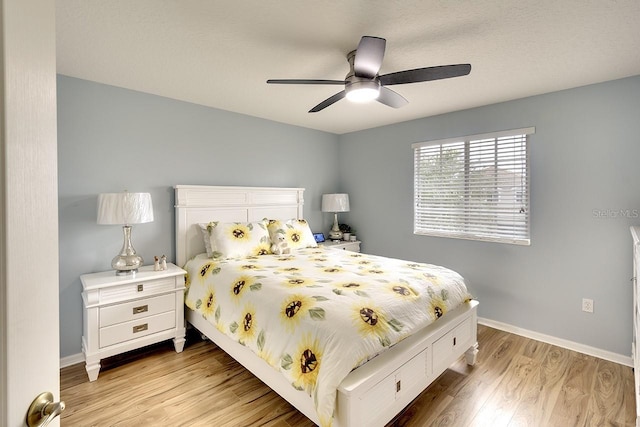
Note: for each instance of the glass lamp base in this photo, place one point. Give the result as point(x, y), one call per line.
point(125, 265)
point(126, 272)
point(127, 261)
point(335, 235)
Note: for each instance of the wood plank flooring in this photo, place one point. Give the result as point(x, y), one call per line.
point(516, 382)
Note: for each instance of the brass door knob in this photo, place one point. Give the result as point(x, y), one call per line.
point(43, 410)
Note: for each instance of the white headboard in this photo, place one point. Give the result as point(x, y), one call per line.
point(196, 204)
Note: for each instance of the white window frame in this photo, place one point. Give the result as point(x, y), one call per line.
point(447, 204)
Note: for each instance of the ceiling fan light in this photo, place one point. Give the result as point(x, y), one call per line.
point(363, 91)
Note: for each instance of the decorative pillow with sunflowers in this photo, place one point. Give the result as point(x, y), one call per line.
point(296, 232)
point(238, 239)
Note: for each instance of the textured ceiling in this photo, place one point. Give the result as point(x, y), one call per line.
point(220, 53)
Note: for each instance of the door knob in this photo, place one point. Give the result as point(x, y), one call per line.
point(43, 410)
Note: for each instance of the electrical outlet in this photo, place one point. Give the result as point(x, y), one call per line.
point(587, 305)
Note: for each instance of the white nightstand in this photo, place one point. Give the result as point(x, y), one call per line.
point(122, 313)
point(347, 246)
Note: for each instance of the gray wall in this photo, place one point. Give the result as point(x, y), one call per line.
point(584, 169)
point(112, 139)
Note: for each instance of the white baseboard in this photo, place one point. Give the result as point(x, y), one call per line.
point(570, 345)
point(71, 360)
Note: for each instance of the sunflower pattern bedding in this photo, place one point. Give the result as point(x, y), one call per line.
point(316, 314)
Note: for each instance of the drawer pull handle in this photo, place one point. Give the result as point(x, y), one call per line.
point(454, 340)
point(398, 386)
point(140, 287)
point(140, 328)
point(141, 309)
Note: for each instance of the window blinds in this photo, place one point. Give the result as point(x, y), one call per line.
point(476, 187)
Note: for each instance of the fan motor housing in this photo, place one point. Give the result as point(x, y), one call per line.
point(360, 89)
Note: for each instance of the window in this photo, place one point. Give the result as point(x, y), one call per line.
point(475, 187)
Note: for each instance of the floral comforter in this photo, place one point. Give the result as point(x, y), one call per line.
point(318, 313)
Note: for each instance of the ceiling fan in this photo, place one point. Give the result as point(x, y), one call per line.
point(363, 83)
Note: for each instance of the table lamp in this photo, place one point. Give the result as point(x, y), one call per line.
point(125, 209)
point(338, 202)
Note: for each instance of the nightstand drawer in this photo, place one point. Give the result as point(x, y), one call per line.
point(342, 245)
point(136, 328)
point(137, 309)
point(137, 290)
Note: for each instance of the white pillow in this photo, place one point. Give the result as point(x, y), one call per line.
point(238, 239)
point(296, 232)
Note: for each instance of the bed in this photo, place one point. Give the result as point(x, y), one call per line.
point(385, 381)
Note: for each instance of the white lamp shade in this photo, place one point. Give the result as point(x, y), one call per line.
point(335, 202)
point(124, 208)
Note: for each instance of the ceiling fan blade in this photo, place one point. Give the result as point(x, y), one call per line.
point(305, 82)
point(425, 74)
point(391, 98)
point(369, 56)
point(332, 99)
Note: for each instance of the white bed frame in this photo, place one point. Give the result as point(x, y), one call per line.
point(370, 395)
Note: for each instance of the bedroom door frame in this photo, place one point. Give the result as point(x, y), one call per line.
point(29, 279)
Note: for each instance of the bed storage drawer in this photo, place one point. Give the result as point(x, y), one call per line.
point(136, 309)
point(137, 328)
point(410, 376)
point(450, 343)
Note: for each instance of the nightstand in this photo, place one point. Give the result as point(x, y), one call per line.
point(122, 313)
point(344, 245)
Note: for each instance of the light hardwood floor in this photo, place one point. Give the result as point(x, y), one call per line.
point(516, 382)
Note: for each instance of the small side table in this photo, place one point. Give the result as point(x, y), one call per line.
point(123, 313)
